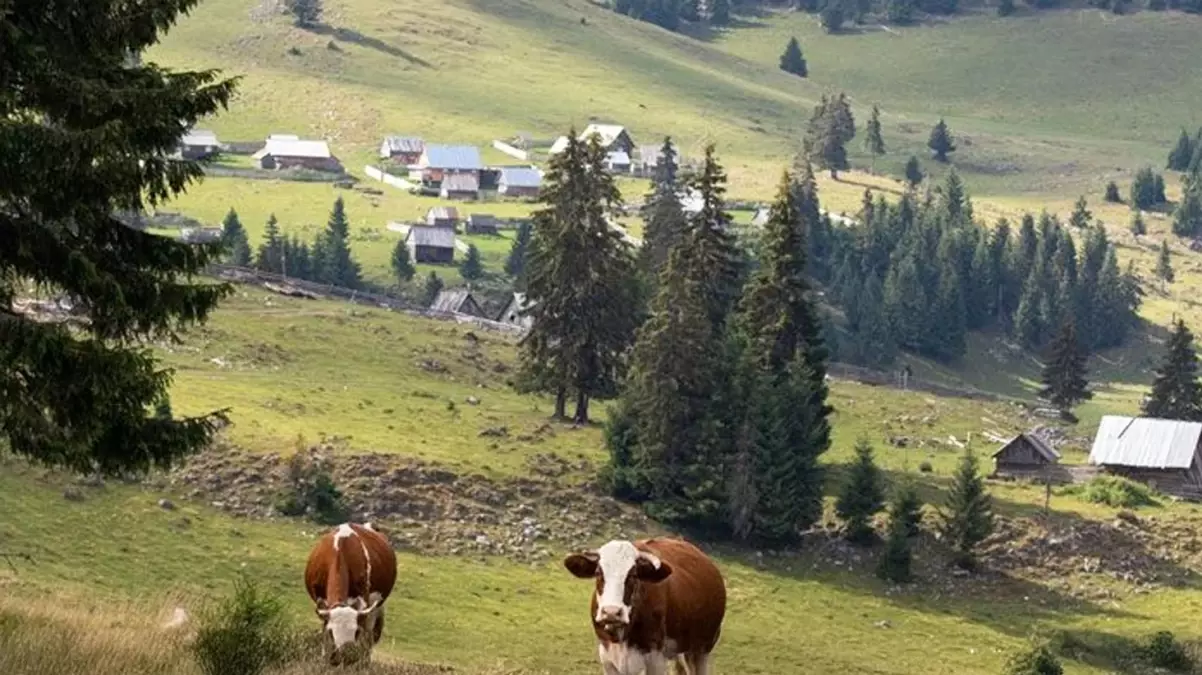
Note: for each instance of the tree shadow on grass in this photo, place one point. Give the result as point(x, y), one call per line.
point(355, 37)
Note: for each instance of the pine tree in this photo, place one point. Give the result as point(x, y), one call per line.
point(1029, 325)
point(906, 508)
point(1112, 193)
point(431, 288)
point(914, 174)
point(1081, 216)
point(271, 252)
point(1181, 155)
point(85, 134)
point(862, 496)
point(954, 198)
point(906, 303)
point(1144, 190)
point(719, 12)
point(1005, 8)
point(1187, 218)
point(896, 560)
point(306, 13)
point(689, 11)
point(402, 266)
point(900, 12)
point(791, 61)
point(580, 283)
point(874, 143)
point(471, 269)
point(515, 263)
point(663, 215)
point(826, 144)
point(875, 344)
point(162, 409)
point(833, 16)
point(1164, 264)
point(338, 265)
point(233, 237)
point(1064, 384)
point(709, 230)
point(941, 141)
point(968, 512)
point(1138, 226)
point(1176, 391)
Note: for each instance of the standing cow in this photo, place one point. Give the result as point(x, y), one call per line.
point(349, 575)
point(657, 601)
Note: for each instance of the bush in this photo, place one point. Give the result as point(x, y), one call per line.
point(311, 492)
point(245, 634)
point(1118, 492)
point(1036, 661)
point(1164, 651)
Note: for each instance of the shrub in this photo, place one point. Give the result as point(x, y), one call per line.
point(1035, 661)
point(1164, 651)
point(895, 562)
point(925, 467)
point(1118, 492)
point(245, 634)
point(311, 492)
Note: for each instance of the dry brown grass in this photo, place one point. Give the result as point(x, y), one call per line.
point(55, 636)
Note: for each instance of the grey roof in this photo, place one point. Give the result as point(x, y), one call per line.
point(404, 144)
point(1145, 442)
point(451, 300)
point(482, 219)
point(521, 177)
point(1041, 446)
point(278, 147)
point(199, 137)
point(443, 213)
point(435, 237)
point(608, 133)
point(466, 157)
point(461, 182)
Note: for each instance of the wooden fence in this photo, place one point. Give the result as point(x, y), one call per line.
point(247, 275)
point(387, 178)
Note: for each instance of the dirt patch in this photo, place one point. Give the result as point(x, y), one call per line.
point(426, 508)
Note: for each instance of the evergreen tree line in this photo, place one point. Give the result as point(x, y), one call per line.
point(326, 260)
point(921, 275)
point(1186, 157)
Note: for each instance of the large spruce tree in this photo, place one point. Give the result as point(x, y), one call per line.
point(874, 142)
point(270, 257)
point(337, 265)
point(791, 61)
point(1176, 392)
point(580, 283)
point(861, 496)
point(1182, 153)
point(968, 512)
point(708, 229)
point(87, 136)
point(515, 262)
point(941, 142)
point(663, 214)
point(233, 236)
point(1064, 383)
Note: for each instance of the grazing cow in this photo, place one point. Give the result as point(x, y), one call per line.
point(657, 601)
point(349, 575)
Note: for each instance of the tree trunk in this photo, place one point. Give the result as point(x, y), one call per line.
point(834, 174)
point(561, 404)
point(581, 408)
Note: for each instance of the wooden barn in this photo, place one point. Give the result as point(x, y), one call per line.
point(1162, 453)
point(457, 301)
point(1027, 456)
point(431, 244)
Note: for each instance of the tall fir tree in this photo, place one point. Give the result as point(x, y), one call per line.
point(339, 266)
point(1164, 264)
point(913, 172)
point(235, 240)
point(663, 214)
point(431, 288)
point(305, 13)
point(1138, 226)
point(719, 12)
point(1112, 193)
point(1064, 371)
point(968, 512)
point(1145, 192)
point(515, 262)
point(941, 141)
point(874, 142)
point(896, 561)
point(1176, 391)
point(906, 507)
point(1182, 153)
point(580, 283)
point(792, 61)
point(1187, 218)
point(402, 266)
point(270, 257)
point(861, 496)
point(85, 136)
point(1081, 216)
point(471, 268)
point(708, 229)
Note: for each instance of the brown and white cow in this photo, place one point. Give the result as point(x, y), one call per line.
point(657, 601)
point(349, 575)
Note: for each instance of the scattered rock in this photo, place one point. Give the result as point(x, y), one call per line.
point(73, 494)
point(166, 505)
point(472, 400)
point(498, 432)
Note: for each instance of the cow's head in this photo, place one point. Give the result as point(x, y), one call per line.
point(344, 627)
point(620, 570)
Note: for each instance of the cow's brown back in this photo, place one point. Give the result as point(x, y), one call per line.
point(351, 549)
point(694, 596)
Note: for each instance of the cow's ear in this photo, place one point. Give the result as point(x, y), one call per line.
point(322, 609)
point(583, 565)
point(651, 569)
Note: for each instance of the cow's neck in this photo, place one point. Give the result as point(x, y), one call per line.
point(338, 580)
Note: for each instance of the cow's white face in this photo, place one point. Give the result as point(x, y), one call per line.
point(344, 624)
point(618, 567)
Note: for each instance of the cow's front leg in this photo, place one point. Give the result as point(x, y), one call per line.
point(618, 659)
point(656, 663)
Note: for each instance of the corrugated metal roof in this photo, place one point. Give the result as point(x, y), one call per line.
point(436, 237)
point(443, 213)
point(608, 132)
point(404, 144)
point(461, 182)
point(1145, 442)
point(1041, 446)
point(618, 157)
point(293, 148)
point(199, 137)
point(521, 177)
point(465, 157)
point(451, 300)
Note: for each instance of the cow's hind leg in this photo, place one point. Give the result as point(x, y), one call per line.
point(378, 629)
point(699, 663)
